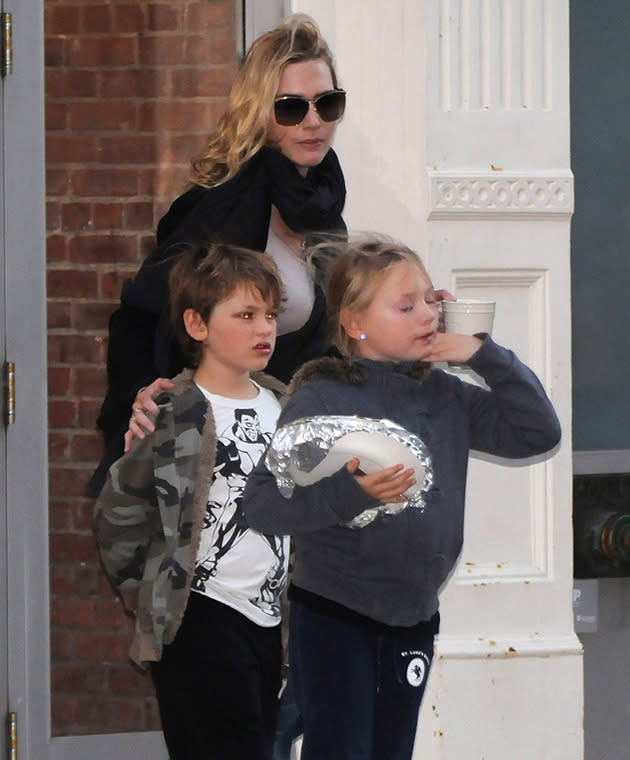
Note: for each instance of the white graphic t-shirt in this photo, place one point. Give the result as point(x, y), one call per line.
point(236, 565)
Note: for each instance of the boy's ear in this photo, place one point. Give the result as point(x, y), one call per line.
point(351, 323)
point(195, 326)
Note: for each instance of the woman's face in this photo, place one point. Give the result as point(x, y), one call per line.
point(307, 143)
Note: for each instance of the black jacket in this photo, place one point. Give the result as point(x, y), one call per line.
point(142, 346)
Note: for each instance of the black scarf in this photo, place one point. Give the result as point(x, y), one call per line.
point(238, 212)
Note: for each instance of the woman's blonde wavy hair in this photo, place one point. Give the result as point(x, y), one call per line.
point(243, 129)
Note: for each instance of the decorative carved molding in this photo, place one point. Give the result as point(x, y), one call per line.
point(496, 194)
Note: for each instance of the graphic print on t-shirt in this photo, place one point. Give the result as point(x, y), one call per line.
point(230, 554)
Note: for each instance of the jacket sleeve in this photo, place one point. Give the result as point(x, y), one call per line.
point(330, 501)
point(515, 419)
point(126, 516)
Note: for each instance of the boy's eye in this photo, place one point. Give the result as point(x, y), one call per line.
point(246, 315)
point(272, 315)
point(406, 308)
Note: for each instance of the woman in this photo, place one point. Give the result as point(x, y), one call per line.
point(267, 180)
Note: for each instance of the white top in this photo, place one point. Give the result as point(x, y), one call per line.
point(297, 279)
point(236, 565)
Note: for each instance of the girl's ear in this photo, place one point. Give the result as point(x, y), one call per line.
point(195, 326)
point(351, 323)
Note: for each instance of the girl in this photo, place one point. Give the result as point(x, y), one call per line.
point(364, 609)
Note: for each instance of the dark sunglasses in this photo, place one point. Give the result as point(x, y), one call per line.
point(290, 110)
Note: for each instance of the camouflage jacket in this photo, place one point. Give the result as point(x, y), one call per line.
point(148, 516)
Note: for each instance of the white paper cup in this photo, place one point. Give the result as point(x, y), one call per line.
point(468, 316)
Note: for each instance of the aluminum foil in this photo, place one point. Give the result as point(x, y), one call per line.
point(301, 445)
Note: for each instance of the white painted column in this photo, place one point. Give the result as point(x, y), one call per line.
point(456, 141)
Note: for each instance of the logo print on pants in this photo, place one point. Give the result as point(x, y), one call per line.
point(416, 671)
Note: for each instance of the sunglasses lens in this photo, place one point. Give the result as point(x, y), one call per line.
point(331, 107)
point(290, 111)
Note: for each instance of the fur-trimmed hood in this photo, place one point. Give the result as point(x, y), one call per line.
point(352, 370)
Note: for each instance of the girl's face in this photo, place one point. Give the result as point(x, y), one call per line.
point(402, 319)
point(307, 143)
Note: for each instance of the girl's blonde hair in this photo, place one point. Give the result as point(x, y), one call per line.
point(358, 270)
point(243, 129)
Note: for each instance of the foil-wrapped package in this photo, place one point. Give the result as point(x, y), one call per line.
point(311, 448)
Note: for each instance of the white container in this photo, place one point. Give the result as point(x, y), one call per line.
point(468, 316)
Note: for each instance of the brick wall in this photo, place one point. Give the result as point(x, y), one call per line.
point(132, 89)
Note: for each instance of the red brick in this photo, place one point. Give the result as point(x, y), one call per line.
point(102, 51)
point(54, 51)
point(91, 315)
point(108, 216)
point(58, 446)
point(129, 18)
point(57, 181)
point(61, 413)
point(61, 645)
point(89, 410)
point(70, 83)
point(102, 647)
point(63, 714)
point(135, 83)
point(70, 149)
point(77, 216)
point(105, 182)
point(114, 115)
point(72, 612)
point(62, 19)
point(139, 216)
point(163, 18)
point(193, 83)
point(96, 19)
point(126, 680)
point(94, 249)
point(128, 149)
point(210, 15)
point(205, 51)
point(58, 315)
point(64, 283)
point(86, 448)
point(77, 678)
point(58, 381)
point(110, 613)
point(56, 248)
point(112, 282)
point(76, 349)
point(68, 481)
point(53, 216)
point(167, 50)
point(223, 50)
point(109, 714)
point(56, 116)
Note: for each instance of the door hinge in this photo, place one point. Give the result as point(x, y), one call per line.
point(6, 64)
point(10, 393)
point(12, 739)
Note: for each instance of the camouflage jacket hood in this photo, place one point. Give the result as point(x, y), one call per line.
point(148, 517)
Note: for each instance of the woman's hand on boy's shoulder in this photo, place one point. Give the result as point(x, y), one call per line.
point(449, 347)
point(140, 424)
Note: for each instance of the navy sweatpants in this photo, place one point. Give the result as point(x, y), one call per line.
point(359, 684)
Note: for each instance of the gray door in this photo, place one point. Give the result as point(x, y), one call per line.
point(24, 628)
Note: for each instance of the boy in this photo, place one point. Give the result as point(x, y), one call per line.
point(204, 587)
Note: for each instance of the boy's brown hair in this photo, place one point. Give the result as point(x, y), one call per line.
point(205, 274)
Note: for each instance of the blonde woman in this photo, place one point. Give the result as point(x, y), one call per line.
point(267, 180)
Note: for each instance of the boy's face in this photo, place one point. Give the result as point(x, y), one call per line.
point(241, 333)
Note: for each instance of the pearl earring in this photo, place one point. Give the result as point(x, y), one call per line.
point(363, 336)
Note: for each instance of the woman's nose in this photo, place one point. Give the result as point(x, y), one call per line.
point(312, 118)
